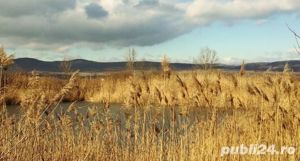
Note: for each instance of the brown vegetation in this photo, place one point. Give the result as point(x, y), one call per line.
point(182, 88)
point(189, 116)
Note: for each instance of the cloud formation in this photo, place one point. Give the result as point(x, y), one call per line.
point(231, 10)
point(94, 10)
point(17, 8)
point(61, 24)
point(125, 24)
point(148, 3)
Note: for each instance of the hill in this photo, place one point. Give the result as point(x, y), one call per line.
point(30, 64)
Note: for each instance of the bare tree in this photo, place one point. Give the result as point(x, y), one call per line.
point(297, 37)
point(131, 59)
point(207, 58)
point(66, 66)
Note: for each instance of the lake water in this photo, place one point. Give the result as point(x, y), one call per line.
point(122, 114)
point(82, 107)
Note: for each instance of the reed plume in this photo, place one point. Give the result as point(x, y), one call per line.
point(242, 69)
point(5, 59)
point(287, 68)
point(67, 88)
point(165, 64)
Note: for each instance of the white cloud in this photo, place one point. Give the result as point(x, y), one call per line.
point(230, 10)
point(231, 61)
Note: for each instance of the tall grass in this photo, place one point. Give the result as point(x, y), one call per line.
point(188, 117)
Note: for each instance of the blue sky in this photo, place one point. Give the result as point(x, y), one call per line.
point(104, 30)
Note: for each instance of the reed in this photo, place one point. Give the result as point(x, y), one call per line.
point(187, 116)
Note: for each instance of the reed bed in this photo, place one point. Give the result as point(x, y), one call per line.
point(198, 88)
point(164, 116)
point(161, 120)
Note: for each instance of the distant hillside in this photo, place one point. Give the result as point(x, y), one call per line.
point(29, 64)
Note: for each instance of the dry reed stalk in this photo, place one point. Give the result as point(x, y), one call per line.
point(242, 69)
point(66, 89)
point(5, 61)
point(158, 94)
point(182, 84)
point(165, 64)
point(287, 68)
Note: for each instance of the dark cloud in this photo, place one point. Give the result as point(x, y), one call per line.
point(65, 31)
point(152, 26)
point(15, 8)
point(94, 10)
point(148, 3)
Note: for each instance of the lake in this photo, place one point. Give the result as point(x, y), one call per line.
point(146, 115)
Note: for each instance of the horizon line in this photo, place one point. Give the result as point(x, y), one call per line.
point(153, 61)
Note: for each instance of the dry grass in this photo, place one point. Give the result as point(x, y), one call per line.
point(189, 116)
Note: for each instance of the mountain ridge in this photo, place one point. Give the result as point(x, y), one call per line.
point(30, 64)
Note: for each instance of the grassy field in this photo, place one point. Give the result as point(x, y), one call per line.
point(162, 111)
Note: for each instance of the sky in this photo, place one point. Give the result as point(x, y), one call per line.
point(104, 30)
